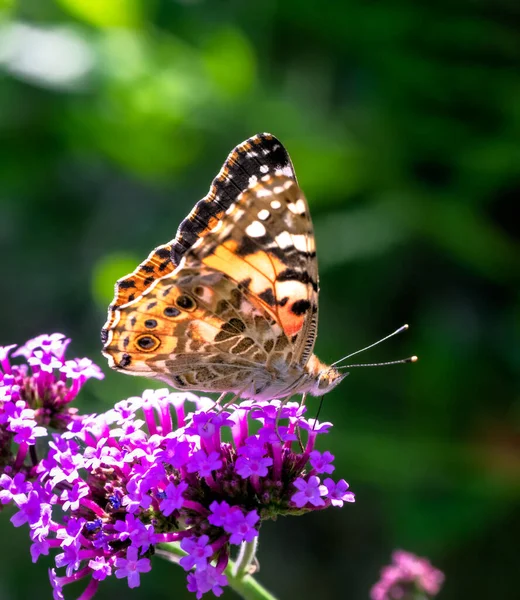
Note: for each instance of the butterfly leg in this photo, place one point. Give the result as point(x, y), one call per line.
point(302, 404)
point(221, 408)
point(283, 402)
point(218, 402)
point(217, 407)
point(236, 397)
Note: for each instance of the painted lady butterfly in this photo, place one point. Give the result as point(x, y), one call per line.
point(231, 304)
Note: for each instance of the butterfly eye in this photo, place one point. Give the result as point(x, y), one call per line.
point(148, 343)
point(186, 303)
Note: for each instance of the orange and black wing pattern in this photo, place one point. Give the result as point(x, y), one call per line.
point(265, 244)
point(238, 286)
point(254, 157)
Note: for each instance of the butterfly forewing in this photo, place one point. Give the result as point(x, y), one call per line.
point(258, 155)
point(265, 244)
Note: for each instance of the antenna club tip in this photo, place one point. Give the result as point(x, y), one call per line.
point(406, 326)
point(414, 358)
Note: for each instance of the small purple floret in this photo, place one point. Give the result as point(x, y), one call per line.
point(199, 551)
point(338, 492)
point(208, 580)
point(131, 566)
point(309, 492)
point(321, 462)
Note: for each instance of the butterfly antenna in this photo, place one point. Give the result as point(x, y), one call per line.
point(410, 359)
point(397, 331)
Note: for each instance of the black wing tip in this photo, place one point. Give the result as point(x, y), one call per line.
point(252, 159)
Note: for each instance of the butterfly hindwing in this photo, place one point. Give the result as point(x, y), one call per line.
point(196, 329)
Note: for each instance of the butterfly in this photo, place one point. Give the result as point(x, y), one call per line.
point(231, 304)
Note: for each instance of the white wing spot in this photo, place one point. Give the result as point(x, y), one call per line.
point(264, 168)
point(300, 242)
point(251, 154)
point(276, 204)
point(297, 208)
point(301, 205)
point(255, 229)
point(263, 214)
point(278, 189)
point(253, 180)
point(285, 172)
point(230, 209)
point(284, 240)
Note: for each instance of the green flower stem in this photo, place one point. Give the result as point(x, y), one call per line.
point(245, 558)
point(244, 585)
point(249, 588)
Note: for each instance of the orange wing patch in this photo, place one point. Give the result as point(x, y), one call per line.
point(258, 274)
point(130, 287)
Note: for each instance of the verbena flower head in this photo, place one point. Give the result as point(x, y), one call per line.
point(407, 578)
point(163, 467)
point(35, 395)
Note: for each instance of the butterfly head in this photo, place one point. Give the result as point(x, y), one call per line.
point(328, 379)
point(324, 378)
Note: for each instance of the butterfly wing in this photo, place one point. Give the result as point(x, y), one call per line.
point(196, 329)
point(254, 157)
point(240, 306)
point(265, 244)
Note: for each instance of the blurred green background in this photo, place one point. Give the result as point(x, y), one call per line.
point(402, 118)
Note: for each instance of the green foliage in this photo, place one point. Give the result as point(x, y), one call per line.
point(403, 121)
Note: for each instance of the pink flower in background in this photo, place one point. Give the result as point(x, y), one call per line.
point(409, 577)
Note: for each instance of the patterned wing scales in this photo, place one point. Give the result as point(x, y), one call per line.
point(231, 303)
point(265, 244)
point(258, 155)
point(196, 329)
point(252, 159)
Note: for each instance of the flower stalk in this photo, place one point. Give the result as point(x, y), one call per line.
point(245, 559)
point(244, 584)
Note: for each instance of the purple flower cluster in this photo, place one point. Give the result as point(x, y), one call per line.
point(407, 578)
point(34, 397)
point(113, 486)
